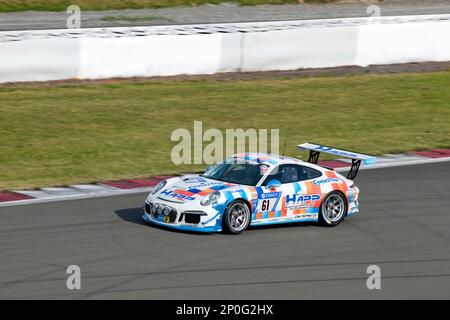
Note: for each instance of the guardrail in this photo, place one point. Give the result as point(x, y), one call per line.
point(206, 49)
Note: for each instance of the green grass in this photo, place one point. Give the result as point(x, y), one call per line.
point(55, 135)
point(61, 5)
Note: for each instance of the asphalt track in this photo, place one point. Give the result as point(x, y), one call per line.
point(403, 227)
point(227, 12)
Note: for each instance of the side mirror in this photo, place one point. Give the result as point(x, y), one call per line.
point(273, 184)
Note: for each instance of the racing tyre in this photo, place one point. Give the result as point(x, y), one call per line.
point(236, 217)
point(333, 209)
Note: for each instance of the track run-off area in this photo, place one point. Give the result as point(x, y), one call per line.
point(403, 227)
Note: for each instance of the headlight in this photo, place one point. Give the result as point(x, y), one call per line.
point(212, 198)
point(159, 186)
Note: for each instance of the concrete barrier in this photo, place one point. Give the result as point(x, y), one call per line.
point(207, 49)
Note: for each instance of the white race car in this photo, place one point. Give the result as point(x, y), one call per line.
point(257, 189)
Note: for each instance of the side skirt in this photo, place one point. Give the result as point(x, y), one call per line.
point(266, 223)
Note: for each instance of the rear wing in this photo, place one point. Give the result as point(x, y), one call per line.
point(316, 149)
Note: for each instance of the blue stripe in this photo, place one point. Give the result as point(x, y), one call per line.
point(218, 187)
point(243, 194)
point(215, 217)
point(229, 196)
point(312, 210)
point(276, 202)
point(259, 191)
point(254, 205)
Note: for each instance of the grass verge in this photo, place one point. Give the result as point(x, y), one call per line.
point(68, 133)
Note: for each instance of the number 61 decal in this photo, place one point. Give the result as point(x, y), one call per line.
point(268, 202)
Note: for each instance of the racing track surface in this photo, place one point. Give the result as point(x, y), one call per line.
point(404, 227)
point(37, 20)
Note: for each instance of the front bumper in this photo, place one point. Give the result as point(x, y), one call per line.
point(183, 216)
point(197, 228)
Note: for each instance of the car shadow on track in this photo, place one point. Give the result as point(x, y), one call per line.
point(134, 215)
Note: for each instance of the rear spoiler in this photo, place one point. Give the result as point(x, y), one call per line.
point(316, 149)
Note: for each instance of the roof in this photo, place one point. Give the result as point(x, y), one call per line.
point(264, 158)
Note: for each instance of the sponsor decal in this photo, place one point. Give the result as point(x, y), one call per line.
point(295, 201)
point(335, 151)
point(268, 201)
point(327, 180)
point(172, 194)
point(270, 195)
point(205, 184)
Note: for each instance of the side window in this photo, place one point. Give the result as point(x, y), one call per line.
point(288, 173)
point(275, 174)
point(285, 173)
point(307, 173)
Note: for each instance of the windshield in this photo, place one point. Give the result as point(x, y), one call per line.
point(240, 173)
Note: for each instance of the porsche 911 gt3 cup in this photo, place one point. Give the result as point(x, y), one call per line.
point(257, 189)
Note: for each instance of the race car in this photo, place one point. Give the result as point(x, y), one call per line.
point(253, 189)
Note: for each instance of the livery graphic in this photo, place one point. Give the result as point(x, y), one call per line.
point(234, 194)
point(176, 194)
point(268, 201)
point(328, 180)
point(295, 201)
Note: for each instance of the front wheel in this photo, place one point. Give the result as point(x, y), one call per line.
point(236, 217)
point(333, 209)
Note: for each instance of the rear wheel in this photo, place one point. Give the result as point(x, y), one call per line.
point(236, 217)
point(333, 209)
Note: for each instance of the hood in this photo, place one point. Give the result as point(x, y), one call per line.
point(191, 188)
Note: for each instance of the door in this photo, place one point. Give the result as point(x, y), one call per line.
point(293, 200)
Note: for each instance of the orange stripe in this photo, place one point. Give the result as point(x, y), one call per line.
point(184, 193)
point(283, 207)
point(330, 174)
point(317, 202)
point(258, 215)
point(205, 192)
point(253, 193)
point(311, 188)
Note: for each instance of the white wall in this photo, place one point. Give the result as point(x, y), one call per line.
point(37, 56)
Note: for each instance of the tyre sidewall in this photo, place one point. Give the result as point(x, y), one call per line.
point(323, 220)
point(225, 221)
